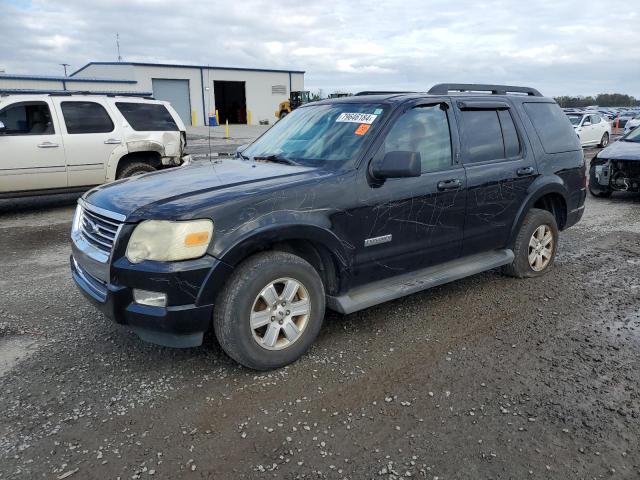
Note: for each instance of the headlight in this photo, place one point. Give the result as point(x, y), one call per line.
point(166, 241)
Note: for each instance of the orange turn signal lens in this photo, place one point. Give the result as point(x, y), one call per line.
point(196, 238)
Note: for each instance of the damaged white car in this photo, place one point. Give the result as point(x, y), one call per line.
point(617, 167)
point(58, 142)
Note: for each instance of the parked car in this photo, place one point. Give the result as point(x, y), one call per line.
point(617, 167)
point(622, 118)
point(591, 129)
point(632, 124)
point(343, 204)
point(63, 142)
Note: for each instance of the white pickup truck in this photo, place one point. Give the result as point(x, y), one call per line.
point(67, 141)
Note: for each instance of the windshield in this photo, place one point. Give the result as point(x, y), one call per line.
point(319, 135)
point(575, 119)
point(633, 136)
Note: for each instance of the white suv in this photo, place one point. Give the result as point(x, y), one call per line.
point(61, 142)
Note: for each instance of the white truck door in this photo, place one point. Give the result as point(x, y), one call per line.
point(31, 149)
point(91, 136)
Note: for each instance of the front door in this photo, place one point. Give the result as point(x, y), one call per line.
point(409, 223)
point(31, 150)
point(499, 167)
point(91, 137)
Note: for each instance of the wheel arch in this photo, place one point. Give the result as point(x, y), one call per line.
point(318, 246)
point(551, 196)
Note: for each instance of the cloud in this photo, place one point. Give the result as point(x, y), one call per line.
point(571, 47)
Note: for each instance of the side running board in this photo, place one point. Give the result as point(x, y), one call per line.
point(396, 287)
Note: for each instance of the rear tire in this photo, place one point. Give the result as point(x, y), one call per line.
point(133, 169)
point(535, 246)
point(257, 323)
point(604, 141)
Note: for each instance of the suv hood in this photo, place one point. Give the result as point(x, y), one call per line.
point(136, 197)
point(621, 151)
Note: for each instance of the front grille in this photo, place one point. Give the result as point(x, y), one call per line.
point(99, 230)
point(95, 287)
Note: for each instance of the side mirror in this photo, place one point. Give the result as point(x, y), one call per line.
point(586, 123)
point(400, 164)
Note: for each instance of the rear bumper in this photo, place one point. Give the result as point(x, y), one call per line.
point(574, 216)
point(176, 325)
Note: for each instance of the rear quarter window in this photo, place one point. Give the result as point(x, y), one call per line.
point(147, 117)
point(552, 126)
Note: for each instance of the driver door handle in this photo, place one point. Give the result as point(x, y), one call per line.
point(451, 184)
point(524, 171)
point(48, 145)
point(113, 141)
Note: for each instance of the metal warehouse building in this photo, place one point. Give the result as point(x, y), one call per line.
point(240, 95)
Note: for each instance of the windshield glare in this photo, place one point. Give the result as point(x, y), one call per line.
point(320, 135)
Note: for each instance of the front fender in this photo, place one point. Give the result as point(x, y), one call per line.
point(244, 241)
point(542, 186)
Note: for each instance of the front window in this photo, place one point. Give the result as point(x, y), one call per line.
point(27, 118)
point(320, 135)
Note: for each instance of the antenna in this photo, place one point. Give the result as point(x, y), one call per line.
point(65, 65)
point(118, 46)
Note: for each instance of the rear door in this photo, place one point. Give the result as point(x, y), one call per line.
point(91, 136)
point(499, 167)
point(31, 149)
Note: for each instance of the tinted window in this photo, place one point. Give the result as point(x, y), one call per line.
point(552, 126)
point(27, 118)
point(147, 117)
point(509, 134)
point(424, 130)
point(86, 117)
point(482, 136)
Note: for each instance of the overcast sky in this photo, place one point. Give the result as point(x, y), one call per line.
point(562, 47)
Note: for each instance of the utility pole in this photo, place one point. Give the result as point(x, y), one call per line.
point(65, 65)
point(118, 46)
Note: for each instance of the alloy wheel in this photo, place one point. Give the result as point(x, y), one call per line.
point(541, 248)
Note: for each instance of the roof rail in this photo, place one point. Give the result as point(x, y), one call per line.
point(380, 92)
point(445, 88)
point(67, 93)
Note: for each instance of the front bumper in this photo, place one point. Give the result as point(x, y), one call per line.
point(182, 323)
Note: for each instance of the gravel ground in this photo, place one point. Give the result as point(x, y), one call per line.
point(485, 378)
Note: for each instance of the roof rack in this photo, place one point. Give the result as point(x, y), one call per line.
point(380, 92)
point(445, 88)
point(67, 93)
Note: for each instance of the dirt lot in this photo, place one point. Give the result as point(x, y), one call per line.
point(485, 378)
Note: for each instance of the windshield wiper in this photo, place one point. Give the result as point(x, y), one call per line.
point(276, 158)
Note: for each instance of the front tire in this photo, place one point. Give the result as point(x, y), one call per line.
point(604, 141)
point(270, 311)
point(535, 246)
point(133, 169)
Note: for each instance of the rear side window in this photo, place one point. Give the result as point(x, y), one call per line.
point(147, 117)
point(482, 136)
point(86, 117)
point(27, 118)
point(552, 126)
point(509, 134)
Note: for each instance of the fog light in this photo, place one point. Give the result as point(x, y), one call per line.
point(153, 299)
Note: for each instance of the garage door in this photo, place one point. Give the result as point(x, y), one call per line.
point(175, 92)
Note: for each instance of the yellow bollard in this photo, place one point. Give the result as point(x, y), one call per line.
point(217, 117)
point(226, 129)
point(248, 117)
point(193, 117)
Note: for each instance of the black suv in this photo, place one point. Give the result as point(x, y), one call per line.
point(345, 204)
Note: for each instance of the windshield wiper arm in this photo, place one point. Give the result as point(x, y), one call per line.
point(276, 158)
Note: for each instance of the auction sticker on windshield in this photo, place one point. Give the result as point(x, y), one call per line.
point(367, 118)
